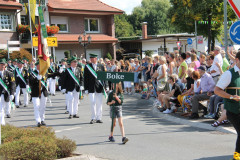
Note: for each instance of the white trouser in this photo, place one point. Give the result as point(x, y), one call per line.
point(39, 108)
point(96, 105)
point(4, 106)
point(73, 100)
point(52, 85)
point(67, 101)
point(17, 95)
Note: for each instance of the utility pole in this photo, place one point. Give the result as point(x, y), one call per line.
point(225, 28)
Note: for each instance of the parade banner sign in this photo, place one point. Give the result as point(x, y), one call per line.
point(115, 77)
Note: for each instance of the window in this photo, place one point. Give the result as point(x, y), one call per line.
point(92, 25)
point(61, 22)
point(6, 22)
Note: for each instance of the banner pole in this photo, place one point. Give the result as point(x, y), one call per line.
point(30, 24)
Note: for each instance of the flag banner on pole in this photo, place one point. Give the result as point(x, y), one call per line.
point(43, 52)
point(32, 11)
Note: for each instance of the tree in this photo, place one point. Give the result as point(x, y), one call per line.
point(154, 12)
point(123, 27)
point(184, 13)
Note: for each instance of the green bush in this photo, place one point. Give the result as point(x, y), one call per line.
point(33, 144)
point(65, 147)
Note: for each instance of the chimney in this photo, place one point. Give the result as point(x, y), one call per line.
point(144, 30)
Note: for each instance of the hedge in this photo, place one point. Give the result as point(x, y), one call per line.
point(33, 144)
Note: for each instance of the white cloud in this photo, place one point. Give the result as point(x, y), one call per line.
point(125, 5)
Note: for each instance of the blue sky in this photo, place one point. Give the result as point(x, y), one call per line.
point(125, 5)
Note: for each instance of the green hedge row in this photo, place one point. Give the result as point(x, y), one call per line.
point(33, 144)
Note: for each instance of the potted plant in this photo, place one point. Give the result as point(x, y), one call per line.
point(22, 28)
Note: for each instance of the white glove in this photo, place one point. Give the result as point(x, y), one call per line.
point(60, 70)
point(39, 77)
point(11, 97)
point(27, 86)
point(81, 88)
point(60, 88)
point(86, 92)
point(63, 91)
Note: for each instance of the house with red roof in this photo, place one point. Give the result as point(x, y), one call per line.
point(76, 17)
point(9, 18)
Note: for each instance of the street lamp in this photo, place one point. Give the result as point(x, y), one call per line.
point(82, 41)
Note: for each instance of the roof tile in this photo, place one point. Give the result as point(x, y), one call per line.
point(96, 38)
point(87, 5)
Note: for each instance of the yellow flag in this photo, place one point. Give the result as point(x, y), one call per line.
point(32, 4)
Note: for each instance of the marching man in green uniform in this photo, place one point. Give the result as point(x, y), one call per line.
point(22, 82)
point(7, 88)
point(72, 84)
point(52, 81)
point(228, 87)
point(39, 99)
point(62, 69)
point(94, 87)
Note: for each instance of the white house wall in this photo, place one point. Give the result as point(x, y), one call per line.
point(147, 45)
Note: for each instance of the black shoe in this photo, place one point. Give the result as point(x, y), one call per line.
point(53, 94)
point(66, 112)
point(111, 139)
point(194, 116)
point(39, 124)
point(8, 116)
point(75, 116)
point(17, 107)
point(70, 117)
point(92, 121)
point(205, 112)
point(99, 121)
point(124, 140)
point(162, 109)
point(43, 123)
point(25, 106)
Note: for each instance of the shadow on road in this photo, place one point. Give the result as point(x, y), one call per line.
point(217, 158)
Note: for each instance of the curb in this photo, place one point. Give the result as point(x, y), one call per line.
point(82, 157)
point(192, 123)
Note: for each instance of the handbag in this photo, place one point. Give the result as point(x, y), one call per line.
point(139, 75)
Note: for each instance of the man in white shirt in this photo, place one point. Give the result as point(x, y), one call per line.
point(214, 70)
point(228, 87)
point(188, 60)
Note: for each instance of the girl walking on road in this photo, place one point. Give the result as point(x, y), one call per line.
point(115, 101)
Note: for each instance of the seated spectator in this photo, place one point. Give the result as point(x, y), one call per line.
point(176, 90)
point(150, 92)
point(186, 104)
point(214, 101)
point(190, 84)
point(181, 85)
point(144, 92)
point(204, 91)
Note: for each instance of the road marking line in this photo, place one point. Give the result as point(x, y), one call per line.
point(69, 129)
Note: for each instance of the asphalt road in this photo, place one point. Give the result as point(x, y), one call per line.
point(150, 138)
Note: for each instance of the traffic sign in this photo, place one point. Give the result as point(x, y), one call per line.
point(235, 4)
point(189, 41)
point(52, 41)
point(235, 32)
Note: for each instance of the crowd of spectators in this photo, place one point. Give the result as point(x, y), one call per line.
point(179, 82)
